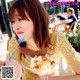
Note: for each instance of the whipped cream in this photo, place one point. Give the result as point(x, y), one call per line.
point(41, 62)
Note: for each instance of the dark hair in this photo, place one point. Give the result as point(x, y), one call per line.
point(70, 10)
point(38, 15)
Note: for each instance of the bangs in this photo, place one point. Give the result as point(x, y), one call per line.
point(19, 9)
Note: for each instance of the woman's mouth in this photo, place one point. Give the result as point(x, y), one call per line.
point(19, 33)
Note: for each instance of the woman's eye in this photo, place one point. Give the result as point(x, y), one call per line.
point(12, 21)
point(20, 19)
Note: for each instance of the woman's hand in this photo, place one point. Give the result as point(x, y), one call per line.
point(36, 77)
point(17, 68)
point(1, 63)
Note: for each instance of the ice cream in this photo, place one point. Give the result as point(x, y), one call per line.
point(41, 62)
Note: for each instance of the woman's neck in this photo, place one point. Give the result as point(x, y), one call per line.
point(32, 45)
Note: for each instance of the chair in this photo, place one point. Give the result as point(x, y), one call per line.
point(61, 28)
point(74, 29)
point(67, 30)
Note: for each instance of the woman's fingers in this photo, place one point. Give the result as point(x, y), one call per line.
point(18, 72)
point(2, 63)
point(36, 77)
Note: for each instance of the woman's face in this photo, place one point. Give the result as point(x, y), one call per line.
point(22, 27)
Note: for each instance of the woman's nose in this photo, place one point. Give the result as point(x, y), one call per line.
point(17, 25)
point(17, 28)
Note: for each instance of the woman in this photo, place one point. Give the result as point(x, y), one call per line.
point(29, 18)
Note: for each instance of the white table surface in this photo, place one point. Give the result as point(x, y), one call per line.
point(3, 47)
